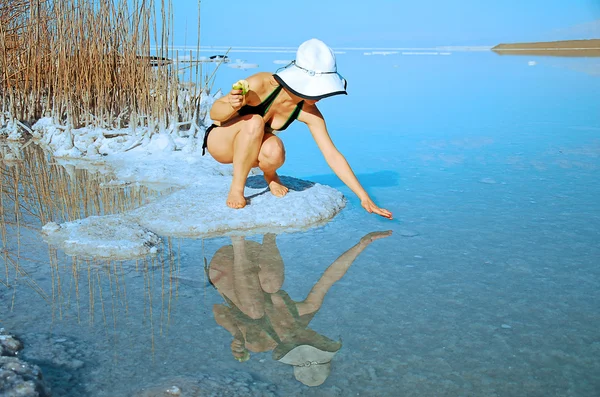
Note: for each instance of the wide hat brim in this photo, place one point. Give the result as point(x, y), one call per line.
point(311, 86)
point(312, 366)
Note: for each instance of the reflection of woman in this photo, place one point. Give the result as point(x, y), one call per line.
point(244, 133)
point(262, 317)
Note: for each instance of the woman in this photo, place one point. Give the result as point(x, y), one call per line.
point(245, 125)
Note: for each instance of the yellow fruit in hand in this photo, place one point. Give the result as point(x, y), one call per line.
point(242, 85)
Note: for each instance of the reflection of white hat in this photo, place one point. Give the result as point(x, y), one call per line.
point(311, 365)
point(313, 75)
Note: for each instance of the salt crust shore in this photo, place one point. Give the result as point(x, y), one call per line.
point(196, 208)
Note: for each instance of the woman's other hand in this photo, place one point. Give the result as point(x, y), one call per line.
point(236, 99)
point(370, 207)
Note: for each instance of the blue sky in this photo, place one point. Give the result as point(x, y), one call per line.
point(385, 23)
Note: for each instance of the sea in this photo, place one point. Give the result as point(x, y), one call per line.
point(485, 283)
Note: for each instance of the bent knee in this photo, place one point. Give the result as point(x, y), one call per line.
point(255, 312)
point(254, 124)
point(273, 150)
point(271, 284)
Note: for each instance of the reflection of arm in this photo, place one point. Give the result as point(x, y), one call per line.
point(334, 272)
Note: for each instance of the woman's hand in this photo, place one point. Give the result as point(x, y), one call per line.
point(236, 99)
point(370, 207)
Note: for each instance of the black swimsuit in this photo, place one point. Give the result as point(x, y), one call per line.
point(260, 110)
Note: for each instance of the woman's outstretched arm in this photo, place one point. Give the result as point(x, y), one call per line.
point(313, 118)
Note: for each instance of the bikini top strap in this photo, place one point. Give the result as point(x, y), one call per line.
point(293, 116)
point(270, 99)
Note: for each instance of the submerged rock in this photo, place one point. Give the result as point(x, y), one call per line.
point(235, 383)
point(408, 233)
point(9, 345)
point(17, 377)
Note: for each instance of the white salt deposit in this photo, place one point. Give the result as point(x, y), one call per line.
point(196, 208)
point(112, 236)
point(200, 210)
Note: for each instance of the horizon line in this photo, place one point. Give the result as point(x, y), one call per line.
point(285, 49)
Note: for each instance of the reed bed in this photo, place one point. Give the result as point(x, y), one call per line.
point(33, 191)
point(89, 63)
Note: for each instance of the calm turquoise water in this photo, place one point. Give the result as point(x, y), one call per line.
point(489, 285)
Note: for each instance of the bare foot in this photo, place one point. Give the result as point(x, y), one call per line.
point(275, 185)
point(236, 200)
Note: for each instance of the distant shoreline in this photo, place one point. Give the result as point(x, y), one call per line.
point(567, 48)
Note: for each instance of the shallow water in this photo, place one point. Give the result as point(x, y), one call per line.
point(489, 285)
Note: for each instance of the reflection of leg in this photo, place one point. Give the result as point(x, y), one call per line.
point(334, 272)
point(245, 281)
point(271, 272)
point(225, 319)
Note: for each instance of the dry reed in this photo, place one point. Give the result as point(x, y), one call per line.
point(89, 62)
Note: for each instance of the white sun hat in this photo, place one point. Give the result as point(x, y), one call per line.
point(313, 74)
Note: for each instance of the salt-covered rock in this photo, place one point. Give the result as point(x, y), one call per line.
point(110, 237)
point(50, 228)
point(201, 210)
point(197, 209)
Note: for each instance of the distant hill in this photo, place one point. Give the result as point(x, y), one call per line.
point(567, 48)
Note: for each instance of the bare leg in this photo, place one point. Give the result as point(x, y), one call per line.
point(238, 142)
point(245, 152)
point(270, 158)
